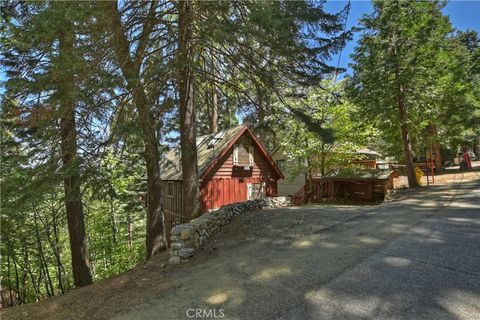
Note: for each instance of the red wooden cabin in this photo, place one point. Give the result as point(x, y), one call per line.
point(233, 166)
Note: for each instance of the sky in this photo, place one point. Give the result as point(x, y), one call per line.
point(463, 15)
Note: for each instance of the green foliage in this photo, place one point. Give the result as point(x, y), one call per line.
point(458, 113)
point(328, 107)
point(403, 48)
point(33, 211)
point(257, 53)
point(253, 54)
point(34, 232)
point(115, 215)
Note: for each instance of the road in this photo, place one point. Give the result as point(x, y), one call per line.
point(415, 258)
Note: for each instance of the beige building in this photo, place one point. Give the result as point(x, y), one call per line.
point(285, 187)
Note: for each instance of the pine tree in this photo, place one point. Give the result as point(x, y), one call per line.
point(41, 59)
point(243, 48)
point(188, 131)
point(132, 69)
point(395, 66)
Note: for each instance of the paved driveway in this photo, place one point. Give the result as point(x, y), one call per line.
point(416, 258)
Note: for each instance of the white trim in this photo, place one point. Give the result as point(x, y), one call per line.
point(249, 149)
point(249, 191)
point(250, 155)
point(235, 154)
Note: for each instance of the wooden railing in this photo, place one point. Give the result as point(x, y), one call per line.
point(299, 197)
point(348, 188)
point(367, 164)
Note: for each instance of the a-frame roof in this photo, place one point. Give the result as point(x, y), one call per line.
point(210, 149)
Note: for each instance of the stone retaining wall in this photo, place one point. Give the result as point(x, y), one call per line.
point(188, 237)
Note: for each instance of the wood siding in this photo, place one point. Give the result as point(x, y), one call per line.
point(224, 167)
point(172, 206)
point(215, 193)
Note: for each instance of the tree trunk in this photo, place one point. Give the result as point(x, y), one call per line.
point(475, 147)
point(188, 132)
point(228, 113)
point(213, 114)
point(155, 238)
point(212, 102)
point(432, 130)
point(261, 130)
point(155, 228)
point(2, 300)
point(56, 250)
point(407, 147)
point(113, 222)
point(43, 260)
point(322, 169)
point(309, 181)
point(71, 167)
point(130, 231)
point(309, 175)
point(402, 109)
point(28, 269)
point(113, 238)
point(17, 277)
point(9, 280)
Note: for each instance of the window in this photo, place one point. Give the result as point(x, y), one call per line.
point(243, 155)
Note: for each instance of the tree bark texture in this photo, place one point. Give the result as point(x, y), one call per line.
point(185, 79)
point(71, 167)
point(155, 238)
point(432, 130)
point(407, 147)
point(213, 114)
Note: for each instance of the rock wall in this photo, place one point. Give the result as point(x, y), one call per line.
point(277, 202)
point(188, 237)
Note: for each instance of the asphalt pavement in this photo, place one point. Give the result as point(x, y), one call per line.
point(415, 258)
point(432, 272)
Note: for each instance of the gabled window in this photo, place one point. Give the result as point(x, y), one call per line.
point(243, 155)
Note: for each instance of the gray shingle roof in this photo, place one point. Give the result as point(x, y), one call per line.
point(208, 148)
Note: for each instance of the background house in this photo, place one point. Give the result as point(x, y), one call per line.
point(287, 186)
point(369, 159)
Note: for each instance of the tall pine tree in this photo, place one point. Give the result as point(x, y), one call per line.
point(395, 67)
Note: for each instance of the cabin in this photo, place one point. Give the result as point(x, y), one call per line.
point(233, 166)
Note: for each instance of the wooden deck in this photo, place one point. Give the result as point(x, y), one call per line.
point(356, 188)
